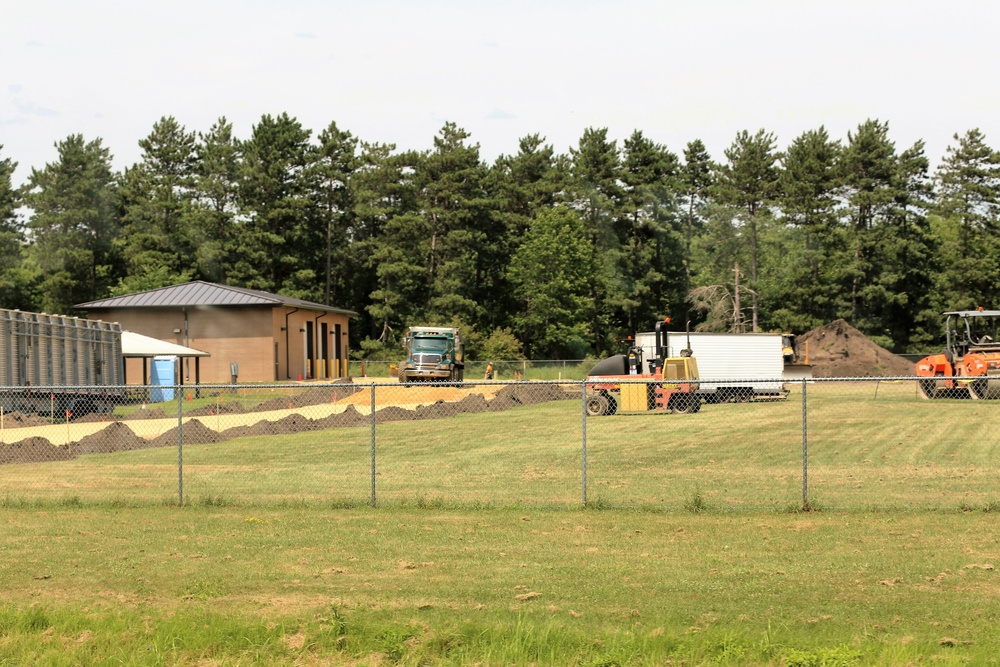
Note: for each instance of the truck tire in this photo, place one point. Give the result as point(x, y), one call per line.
point(685, 404)
point(601, 404)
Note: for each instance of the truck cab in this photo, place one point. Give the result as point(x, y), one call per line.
point(432, 354)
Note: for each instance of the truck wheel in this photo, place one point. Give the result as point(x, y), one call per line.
point(686, 404)
point(598, 405)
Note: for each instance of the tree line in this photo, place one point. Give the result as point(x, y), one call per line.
point(540, 254)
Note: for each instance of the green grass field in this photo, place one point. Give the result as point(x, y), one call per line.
point(694, 549)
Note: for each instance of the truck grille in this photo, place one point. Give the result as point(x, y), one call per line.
point(427, 359)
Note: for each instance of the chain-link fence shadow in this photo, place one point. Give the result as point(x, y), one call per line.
point(819, 444)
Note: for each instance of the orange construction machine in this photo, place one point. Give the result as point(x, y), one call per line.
point(621, 384)
point(969, 365)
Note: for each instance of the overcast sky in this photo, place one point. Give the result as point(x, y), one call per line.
point(391, 71)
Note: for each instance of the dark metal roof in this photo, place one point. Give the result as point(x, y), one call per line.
point(200, 293)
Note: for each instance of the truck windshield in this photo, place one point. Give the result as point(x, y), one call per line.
point(433, 345)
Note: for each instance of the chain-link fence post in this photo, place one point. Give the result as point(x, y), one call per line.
point(583, 449)
point(805, 451)
point(180, 448)
point(372, 501)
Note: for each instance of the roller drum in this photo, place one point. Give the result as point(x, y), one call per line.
point(987, 388)
point(936, 388)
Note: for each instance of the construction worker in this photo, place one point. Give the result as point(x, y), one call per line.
point(489, 371)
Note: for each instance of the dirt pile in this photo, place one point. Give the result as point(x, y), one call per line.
point(448, 401)
point(116, 437)
point(20, 420)
point(839, 350)
point(33, 449)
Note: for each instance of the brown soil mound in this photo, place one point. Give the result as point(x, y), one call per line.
point(531, 393)
point(116, 437)
point(31, 450)
point(292, 424)
point(347, 418)
point(394, 414)
point(839, 350)
point(19, 419)
point(469, 404)
point(193, 433)
point(312, 396)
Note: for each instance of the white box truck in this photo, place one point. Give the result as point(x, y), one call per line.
point(731, 367)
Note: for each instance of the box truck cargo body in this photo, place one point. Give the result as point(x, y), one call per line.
point(730, 366)
point(55, 363)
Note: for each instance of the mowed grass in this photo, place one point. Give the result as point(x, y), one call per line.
point(479, 550)
point(306, 586)
point(870, 446)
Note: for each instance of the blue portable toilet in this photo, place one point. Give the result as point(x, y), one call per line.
point(162, 375)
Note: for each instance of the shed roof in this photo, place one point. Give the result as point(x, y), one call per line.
point(137, 345)
point(200, 293)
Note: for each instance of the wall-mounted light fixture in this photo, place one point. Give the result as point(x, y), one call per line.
point(177, 331)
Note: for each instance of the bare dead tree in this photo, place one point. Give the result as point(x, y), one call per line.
point(721, 305)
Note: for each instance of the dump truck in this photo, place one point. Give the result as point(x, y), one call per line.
point(638, 381)
point(732, 367)
point(59, 365)
point(433, 354)
point(969, 364)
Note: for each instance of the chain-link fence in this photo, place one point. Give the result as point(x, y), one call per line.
point(722, 446)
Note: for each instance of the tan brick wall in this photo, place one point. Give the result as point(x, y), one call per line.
point(317, 365)
point(252, 337)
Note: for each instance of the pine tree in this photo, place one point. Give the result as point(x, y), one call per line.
point(462, 263)
point(695, 181)
point(74, 222)
point(907, 260)
point(969, 208)
point(216, 190)
point(646, 284)
point(159, 234)
point(521, 186)
point(748, 183)
point(867, 173)
point(389, 234)
point(274, 241)
point(805, 287)
point(15, 280)
point(329, 175)
point(595, 193)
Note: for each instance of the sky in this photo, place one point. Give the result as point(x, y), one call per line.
point(395, 72)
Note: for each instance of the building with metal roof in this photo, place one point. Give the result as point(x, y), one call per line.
point(256, 336)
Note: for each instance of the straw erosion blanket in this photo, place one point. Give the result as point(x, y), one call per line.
point(30, 439)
